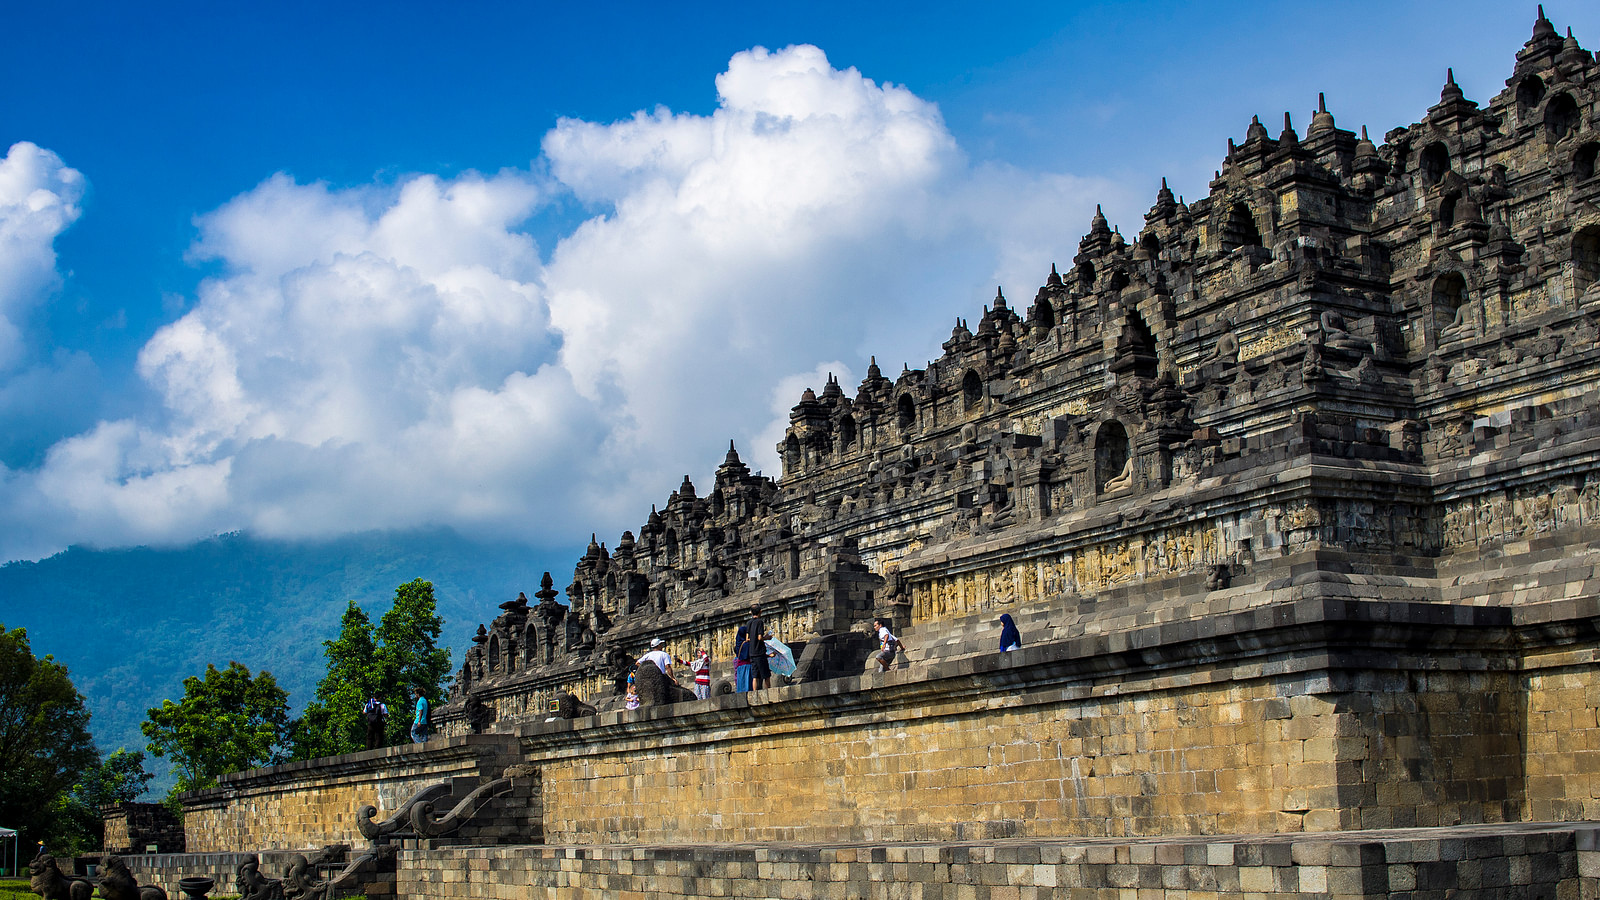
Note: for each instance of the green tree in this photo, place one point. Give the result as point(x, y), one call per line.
point(333, 723)
point(409, 655)
point(120, 778)
point(44, 741)
point(226, 721)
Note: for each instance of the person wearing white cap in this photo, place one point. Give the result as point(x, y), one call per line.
point(658, 656)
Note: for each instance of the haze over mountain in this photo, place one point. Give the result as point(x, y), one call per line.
point(131, 624)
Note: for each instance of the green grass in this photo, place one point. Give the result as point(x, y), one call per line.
point(18, 890)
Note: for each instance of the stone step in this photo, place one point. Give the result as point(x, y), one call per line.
point(969, 635)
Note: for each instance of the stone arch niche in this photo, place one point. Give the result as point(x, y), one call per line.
point(494, 653)
point(1530, 91)
point(1240, 228)
point(1585, 259)
point(791, 453)
point(971, 391)
point(671, 545)
point(1151, 244)
point(1583, 161)
point(847, 432)
point(1086, 275)
point(906, 413)
point(1136, 348)
point(1044, 313)
point(530, 646)
point(1561, 116)
point(1447, 210)
point(1449, 295)
point(1434, 163)
point(1111, 456)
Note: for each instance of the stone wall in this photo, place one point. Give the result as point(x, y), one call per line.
point(1563, 742)
point(1286, 718)
point(135, 827)
point(1484, 863)
point(314, 803)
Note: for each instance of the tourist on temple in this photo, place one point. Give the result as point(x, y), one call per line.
point(701, 667)
point(889, 645)
point(658, 656)
point(760, 672)
point(419, 722)
point(1010, 638)
point(741, 659)
point(377, 717)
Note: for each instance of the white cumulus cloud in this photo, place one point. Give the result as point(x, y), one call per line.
point(39, 198)
point(389, 357)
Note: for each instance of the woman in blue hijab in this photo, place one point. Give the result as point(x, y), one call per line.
point(1010, 638)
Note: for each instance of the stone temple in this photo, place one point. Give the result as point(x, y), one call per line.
point(1294, 492)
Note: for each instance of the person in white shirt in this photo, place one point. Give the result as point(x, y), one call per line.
point(658, 656)
point(889, 645)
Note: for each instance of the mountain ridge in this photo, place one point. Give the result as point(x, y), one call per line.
point(155, 616)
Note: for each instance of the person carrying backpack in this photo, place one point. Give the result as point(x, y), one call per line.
point(377, 717)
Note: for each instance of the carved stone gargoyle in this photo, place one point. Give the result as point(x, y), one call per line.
point(253, 885)
point(399, 823)
point(425, 823)
point(46, 879)
point(299, 884)
point(116, 882)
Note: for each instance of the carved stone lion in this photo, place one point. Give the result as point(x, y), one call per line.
point(116, 883)
point(46, 880)
point(568, 706)
point(656, 689)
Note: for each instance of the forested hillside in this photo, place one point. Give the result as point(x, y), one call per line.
point(132, 624)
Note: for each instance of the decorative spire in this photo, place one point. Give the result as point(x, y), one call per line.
point(1322, 120)
point(1365, 147)
point(1288, 138)
point(1451, 92)
point(1055, 277)
point(1541, 26)
point(1571, 53)
point(999, 299)
point(547, 590)
point(1256, 131)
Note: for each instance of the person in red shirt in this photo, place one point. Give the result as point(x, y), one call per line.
point(701, 667)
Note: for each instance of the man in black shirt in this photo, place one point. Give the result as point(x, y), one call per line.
point(760, 672)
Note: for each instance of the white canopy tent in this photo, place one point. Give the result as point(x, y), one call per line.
point(10, 834)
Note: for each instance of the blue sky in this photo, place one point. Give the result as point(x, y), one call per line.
point(516, 268)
